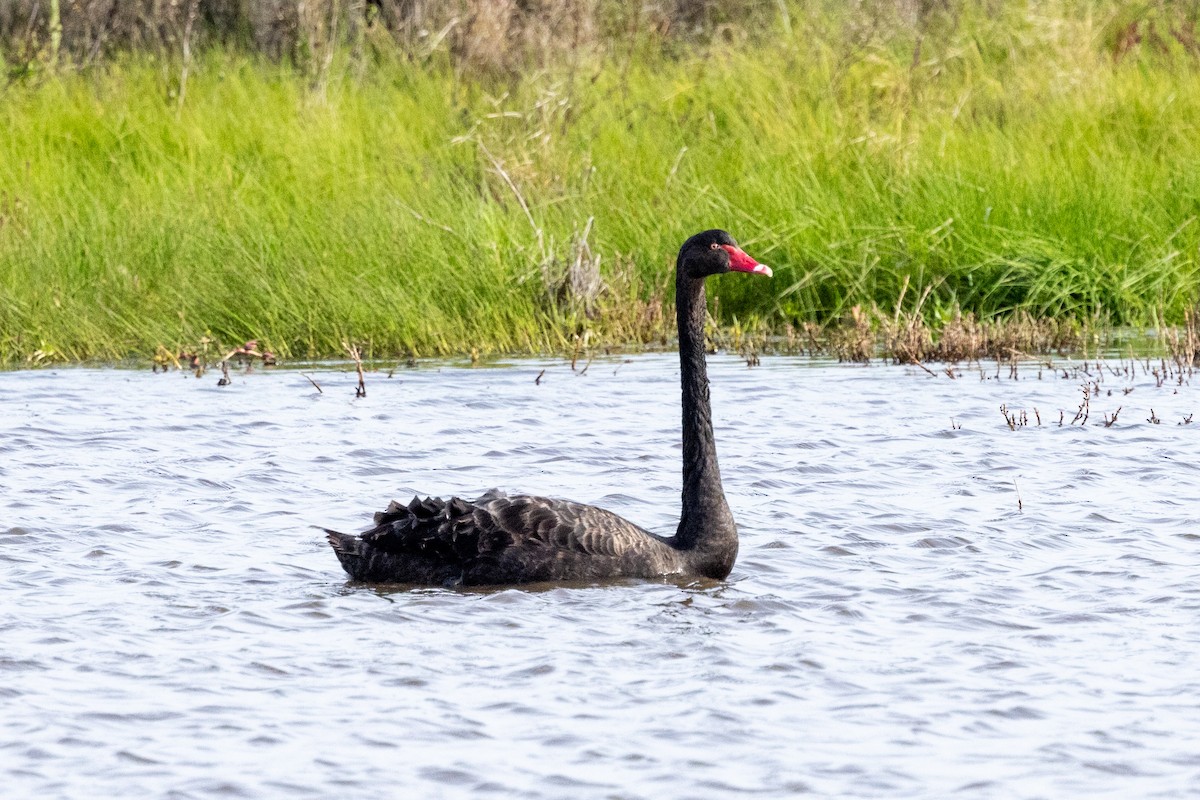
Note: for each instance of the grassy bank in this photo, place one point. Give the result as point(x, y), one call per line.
point(1011, 163)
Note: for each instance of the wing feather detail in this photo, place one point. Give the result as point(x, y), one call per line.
point(503, 539)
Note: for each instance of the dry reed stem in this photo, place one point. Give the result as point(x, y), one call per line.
point(356, 355)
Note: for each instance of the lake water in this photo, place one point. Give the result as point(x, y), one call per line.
point(927, 602)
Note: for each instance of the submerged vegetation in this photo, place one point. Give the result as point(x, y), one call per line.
point(450, 181)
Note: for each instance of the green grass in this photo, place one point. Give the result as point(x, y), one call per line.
point(1015, 167)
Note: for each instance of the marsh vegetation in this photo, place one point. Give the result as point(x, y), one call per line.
point(415, 179)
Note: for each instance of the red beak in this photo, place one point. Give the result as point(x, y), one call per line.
point(740, 262)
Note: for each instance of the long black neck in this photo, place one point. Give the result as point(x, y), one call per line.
point(706, 524)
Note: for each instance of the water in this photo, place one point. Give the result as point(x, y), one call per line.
point(926, 603)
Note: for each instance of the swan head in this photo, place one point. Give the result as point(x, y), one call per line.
point(714, 253)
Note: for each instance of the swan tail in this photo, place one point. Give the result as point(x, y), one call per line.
point(349, 549)
point(428, 541)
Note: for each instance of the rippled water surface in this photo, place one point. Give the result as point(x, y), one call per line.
point(926, 603)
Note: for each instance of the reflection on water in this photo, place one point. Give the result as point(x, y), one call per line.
point(927, 602)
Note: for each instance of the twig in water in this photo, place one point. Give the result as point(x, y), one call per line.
point(1187, 420)
point(1020, 505)
point(316, 385)
point(575, 354)
point(356, 354)
point(1084, 407)
point(1109, 422)
point(1014, 419)
point(1153, 418)
point(247, 352)
point(538, 380)
point(224, 379)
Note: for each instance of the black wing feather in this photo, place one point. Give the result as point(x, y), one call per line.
point(501, 539)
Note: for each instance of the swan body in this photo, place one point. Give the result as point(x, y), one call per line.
point(499, 539)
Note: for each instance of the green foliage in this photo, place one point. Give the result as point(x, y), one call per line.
point(1008, 161)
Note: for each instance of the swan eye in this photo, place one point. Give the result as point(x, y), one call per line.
point(714, 246)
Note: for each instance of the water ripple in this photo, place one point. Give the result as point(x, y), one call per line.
point(927, 603)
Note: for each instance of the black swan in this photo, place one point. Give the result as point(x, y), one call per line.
point(498, 539)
